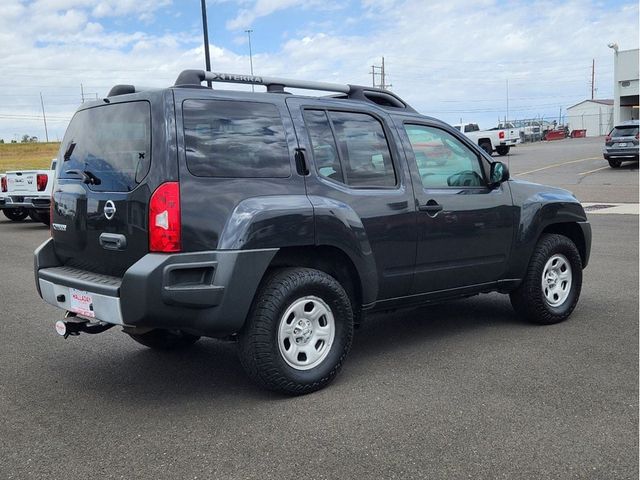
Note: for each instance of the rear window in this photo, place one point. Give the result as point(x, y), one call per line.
point(112, 143)
point(626, 131)
point(235, 139)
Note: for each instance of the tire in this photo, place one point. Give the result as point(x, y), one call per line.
point(486, 146)
point(165, 339)
point(557, 300)
point(298, 332)
point(615, 163)
point(40, 216)
point(15, 214)
point(503, 150)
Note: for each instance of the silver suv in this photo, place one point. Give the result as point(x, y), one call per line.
point(622, 143)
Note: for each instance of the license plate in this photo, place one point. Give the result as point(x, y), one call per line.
point(81, 302)
point(622, 145)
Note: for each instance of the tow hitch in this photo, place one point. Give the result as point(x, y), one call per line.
point(72, 325)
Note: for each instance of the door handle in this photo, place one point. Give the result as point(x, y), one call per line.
point(431, 207)
point(113, 241)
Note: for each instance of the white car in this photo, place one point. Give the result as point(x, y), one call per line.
point(499, 141)
point(27, 193)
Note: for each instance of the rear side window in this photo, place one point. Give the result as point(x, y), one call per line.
point(625, 131)
point(234, 139)
point(350, 148)
point(112, 143)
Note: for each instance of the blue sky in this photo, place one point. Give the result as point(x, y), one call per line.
point(451, 60)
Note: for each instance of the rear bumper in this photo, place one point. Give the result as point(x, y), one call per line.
point(27, 201)
point(631, 152)
point(206, 293)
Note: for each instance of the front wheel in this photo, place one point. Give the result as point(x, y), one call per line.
point(503, 150)
point(298, 332)
point(15, 214)
point(159, 339)
point(551, 287)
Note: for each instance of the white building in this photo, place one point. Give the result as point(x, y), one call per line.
point(594, 116)
point(625, 84)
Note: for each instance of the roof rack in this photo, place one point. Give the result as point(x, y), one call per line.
point(378, 96)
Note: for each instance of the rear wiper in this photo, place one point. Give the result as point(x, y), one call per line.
point(87, 176)
point(70, 148)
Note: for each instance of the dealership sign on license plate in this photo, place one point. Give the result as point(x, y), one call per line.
point(81, 303)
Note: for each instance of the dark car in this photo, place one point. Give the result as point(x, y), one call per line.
point(621, 144)
point(279, 221)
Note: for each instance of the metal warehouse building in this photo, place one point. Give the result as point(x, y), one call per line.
point(594, 116)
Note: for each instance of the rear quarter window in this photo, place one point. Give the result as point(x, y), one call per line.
point(234, 139)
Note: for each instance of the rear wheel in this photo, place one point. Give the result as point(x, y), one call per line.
point(298, 332)
point(615, 163)
point(486, 146)
point(40, 216)
point(15, 214)
point(503, 150)
point(165, 339)
point(551, 287)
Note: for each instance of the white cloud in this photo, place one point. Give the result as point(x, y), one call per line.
point(446, 59)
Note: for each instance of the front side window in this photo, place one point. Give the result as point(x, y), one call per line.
point(234, 139)
point(443, 160)
point(350, 148)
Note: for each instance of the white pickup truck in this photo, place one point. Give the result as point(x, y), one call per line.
point(499, 141)
point(27, 194)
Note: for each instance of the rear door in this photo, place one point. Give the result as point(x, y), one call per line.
point(103, 186)
point(355, 162)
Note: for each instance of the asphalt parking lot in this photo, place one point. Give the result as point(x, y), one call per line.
point(462, 390)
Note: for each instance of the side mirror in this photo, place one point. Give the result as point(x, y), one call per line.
point(499, 173)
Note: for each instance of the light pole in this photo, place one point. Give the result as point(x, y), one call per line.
point(250, 56)
point(616, 96)
point(205, 31)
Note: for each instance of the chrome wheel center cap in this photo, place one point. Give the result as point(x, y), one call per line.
point(303, 331)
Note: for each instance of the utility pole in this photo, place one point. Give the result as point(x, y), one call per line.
point(593, 76)
point(205, 31)
point(82, 92)
point(250, 57)
point(382, 74)
point(506, 119)
point(44, 117)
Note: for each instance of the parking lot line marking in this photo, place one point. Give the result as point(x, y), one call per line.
point(557, 165)
point(594, 170)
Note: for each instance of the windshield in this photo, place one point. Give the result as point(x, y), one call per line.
point(110, 143)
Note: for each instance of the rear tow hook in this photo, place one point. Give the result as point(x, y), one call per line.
point(73, 325)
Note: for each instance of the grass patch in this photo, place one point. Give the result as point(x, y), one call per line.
point(27, 156)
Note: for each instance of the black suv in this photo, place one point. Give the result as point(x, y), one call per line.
point(279, 220)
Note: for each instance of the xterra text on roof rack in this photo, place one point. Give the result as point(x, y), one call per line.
point(280, 219)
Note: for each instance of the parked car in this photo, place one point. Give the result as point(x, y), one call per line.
point(621, 144)
point(27, 193)
point(499, 141)
point(279, 221)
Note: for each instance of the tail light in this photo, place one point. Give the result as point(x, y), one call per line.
point(41, 181)
point(4, 184)
point(164, 219)
point(607, 138)
point(501, 135)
